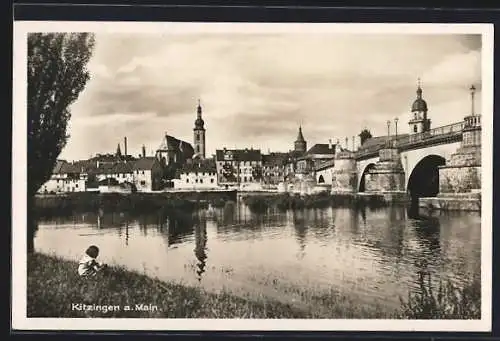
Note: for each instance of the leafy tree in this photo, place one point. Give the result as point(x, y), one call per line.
point(257, 172)
point(57, 74)
point(365, 135)
point(228, 172)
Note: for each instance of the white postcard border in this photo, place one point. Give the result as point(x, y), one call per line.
point(19, 187)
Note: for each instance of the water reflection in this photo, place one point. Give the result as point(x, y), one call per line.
point(179, 226)
point(299, 224)
point(200, 251)
point(371, 254)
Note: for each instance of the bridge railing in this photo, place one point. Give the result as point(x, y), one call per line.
point(403, 141)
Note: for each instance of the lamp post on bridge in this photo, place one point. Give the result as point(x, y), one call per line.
point(388, 130)
point(472, 93)
point(396, 129)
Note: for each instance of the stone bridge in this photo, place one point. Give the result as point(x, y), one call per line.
point(417, 153)
point(439, 161)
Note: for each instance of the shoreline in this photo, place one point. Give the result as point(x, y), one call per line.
point(54, 289)
point(123, 293)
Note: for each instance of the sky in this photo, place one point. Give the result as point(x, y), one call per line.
point(256, 89)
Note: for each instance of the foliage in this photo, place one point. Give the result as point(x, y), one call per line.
point(57, 74)
point(365, 135)
point(320, 200)
point(447, 302)
point(228, 172)
point(257, 172)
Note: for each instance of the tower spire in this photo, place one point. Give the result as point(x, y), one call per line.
point(419, 88)
point(118, 151)
point(199, 108)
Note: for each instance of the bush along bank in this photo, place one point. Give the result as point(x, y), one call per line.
point(135, 202)
point(288, 201)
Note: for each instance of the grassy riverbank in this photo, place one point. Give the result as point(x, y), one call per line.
point(54, 288)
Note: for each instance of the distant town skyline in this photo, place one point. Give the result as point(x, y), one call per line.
point(257, 89)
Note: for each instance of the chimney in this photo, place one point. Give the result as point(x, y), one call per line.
point(330, 144)
point(143, 151)
point(125, 145)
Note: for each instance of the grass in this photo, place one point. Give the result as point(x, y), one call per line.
point(446, 302)
point(53, 286)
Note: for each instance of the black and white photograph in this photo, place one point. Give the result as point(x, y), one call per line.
point(237, 176)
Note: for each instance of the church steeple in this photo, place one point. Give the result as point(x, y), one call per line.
point(199, 133)
point(300, 143)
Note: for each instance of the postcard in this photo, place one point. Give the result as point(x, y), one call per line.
point(252, 176)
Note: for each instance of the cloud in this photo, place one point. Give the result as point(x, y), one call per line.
point(256, 89)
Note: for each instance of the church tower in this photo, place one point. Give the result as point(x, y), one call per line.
point(419, 122)
point(199, 134)
point(300, 143)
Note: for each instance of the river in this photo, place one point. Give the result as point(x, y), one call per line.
point(371, 256)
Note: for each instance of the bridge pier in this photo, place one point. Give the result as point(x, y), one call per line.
point(344, 177)
point(388, 174)
point(460, 177)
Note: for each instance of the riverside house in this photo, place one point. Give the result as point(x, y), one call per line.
point(197, 176)
point(94, 175)
point(238, 167)
point(147, 174)
point(66, 177)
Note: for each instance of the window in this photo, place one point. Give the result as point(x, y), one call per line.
point(197, 137)
point(197, 149)
point(196, 180)
point(415, 129)
point(76, 185)
point(244, 179)
point(143, 183)
point(187, 181)
point(142, 172)
point(201, 181)
point(212, 180)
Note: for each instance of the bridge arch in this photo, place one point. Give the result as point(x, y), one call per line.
point(423, 181)
point(362, 178)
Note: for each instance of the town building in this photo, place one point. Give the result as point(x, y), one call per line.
point(66, 177)
point(197, 175)
point(274, 168)
point(147, 174)
point(238, 167)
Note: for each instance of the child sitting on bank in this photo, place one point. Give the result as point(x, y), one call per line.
point(88, 265)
